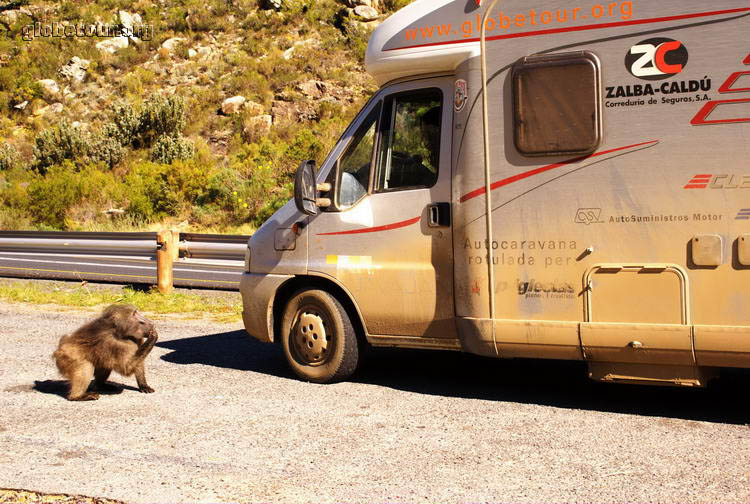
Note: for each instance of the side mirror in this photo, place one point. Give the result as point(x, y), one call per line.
point(306, 190)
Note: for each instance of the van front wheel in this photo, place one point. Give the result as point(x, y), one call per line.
point(319, 341)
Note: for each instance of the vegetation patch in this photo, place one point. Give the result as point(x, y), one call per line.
point(147, 123)
point(222, 308)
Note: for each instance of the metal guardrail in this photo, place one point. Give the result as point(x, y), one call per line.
point(213, 246)
point(198, 260)
point(197, 246)
point(60, 245)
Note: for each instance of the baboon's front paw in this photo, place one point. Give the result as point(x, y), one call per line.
point(146, 389)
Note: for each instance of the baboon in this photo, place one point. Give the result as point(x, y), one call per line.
point(119, 339)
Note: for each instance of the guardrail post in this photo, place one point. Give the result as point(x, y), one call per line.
point(164, 261)
point(176, 245)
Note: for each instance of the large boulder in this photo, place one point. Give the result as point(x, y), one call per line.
point(128, 21)
point(253, 108)
point(366, 13)
point(232, 105)
point(75, 69)
point(284, 112)
point(112, 45)
point(50, 89)
point(8, 18)
point(312, 88)
point(257, 127)
point(171, 43)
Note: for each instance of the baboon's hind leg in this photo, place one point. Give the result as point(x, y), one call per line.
point(80, 379)
point(100, 379)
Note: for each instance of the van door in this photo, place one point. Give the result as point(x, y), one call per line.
point(387, 237)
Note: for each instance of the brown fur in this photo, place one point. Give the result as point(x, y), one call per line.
point(119, 339)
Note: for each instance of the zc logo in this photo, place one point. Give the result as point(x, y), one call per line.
point(656, 59)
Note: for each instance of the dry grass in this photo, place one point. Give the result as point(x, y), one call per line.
point(185, 304)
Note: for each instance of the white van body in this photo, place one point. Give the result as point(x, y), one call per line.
point(619, 139)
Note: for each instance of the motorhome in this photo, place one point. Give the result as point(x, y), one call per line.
point(546, 180)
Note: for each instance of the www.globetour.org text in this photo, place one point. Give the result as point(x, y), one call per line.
point(508, 22)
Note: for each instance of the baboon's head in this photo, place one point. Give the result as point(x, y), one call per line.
point(128, 321)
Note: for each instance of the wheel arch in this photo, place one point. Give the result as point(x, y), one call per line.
point(285, 292)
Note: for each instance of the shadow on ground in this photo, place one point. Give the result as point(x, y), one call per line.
point(230, 350)
point(550, 383)
point(60, 388)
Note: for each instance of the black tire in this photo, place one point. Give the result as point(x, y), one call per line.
point(319, 341)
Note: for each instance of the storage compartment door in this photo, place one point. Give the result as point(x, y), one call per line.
point(637, 314)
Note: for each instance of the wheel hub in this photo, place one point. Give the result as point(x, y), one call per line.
point(311, 337)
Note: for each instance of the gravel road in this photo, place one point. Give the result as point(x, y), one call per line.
point(229, 423)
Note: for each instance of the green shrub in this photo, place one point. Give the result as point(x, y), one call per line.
point(305, 145)
point(51, 197)
point(170, 148)
point(66, 142)
point(158, 190)
point(161, 115)
point(14, 194)
point(55, 145)
point(107, 149)
point(25, 89)
point(157, 117)
point(8, 157)
point(125, 125)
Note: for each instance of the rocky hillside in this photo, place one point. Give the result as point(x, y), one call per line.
point(118, 114)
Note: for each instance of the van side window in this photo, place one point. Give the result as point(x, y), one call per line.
point(356, 162)
point(557, 104)
point(410, 145)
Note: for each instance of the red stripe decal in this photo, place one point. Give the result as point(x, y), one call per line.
point(701, 118)
point(387, 227)
point(727, 86)
point(691, 186)
point(747, 60)
point(537, 171)
point(581, 28)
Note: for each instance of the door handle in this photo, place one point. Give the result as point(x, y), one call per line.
point(635, 345)
point(439, 215)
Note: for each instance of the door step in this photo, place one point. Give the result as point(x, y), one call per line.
point(648, 374)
